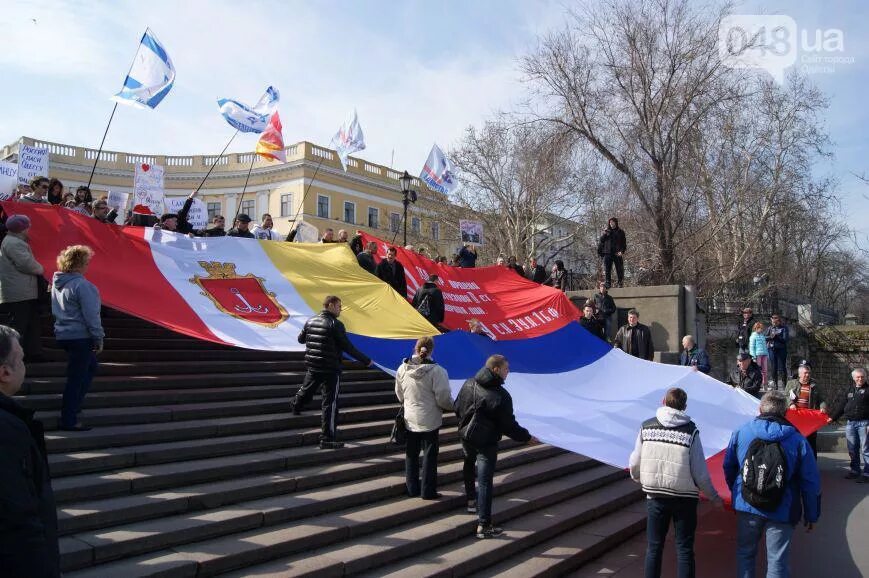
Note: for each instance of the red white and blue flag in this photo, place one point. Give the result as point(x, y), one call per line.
point(438, 172)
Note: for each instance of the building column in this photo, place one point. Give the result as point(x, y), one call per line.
point(262, 204)
point(231, 206)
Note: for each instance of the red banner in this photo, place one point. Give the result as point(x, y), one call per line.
point(507, 305)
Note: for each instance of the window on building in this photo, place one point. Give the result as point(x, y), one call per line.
point(373, 217)
point(323, 206)
point(248, 207)
point(349, 212)
point(287, 204)
point(213, 210)
point(436, 231)
point(415, 225)
point(394, 222)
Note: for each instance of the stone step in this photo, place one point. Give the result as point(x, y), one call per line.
point(387, 538)
point(55, 385)
point(188, 367)
point(570, 550)
point(147, 344)
point(179, 354)
point(156, 399)
point(312, 470)
point(277, 525)
point(103, 459)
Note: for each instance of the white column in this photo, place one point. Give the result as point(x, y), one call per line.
point(231, 201)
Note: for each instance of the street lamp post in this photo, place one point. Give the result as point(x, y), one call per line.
point(408, 197)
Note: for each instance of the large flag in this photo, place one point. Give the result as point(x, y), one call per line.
point(151, 77)
point(438, 172)
point(271, 144)
point(250, 118)
point(569, 388)
point(349, 139)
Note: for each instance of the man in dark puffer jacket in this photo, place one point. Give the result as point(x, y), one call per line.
point(325, 341)
point(484, 394)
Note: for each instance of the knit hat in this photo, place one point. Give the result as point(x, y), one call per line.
point(743, 356)
point(17, 223)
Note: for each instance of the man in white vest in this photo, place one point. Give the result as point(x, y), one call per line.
point(668, 461)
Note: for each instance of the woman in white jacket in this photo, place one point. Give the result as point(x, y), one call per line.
point(423, 387)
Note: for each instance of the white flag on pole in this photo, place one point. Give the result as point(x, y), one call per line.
point(151, 77)
point(349, 139)
point(438, 172)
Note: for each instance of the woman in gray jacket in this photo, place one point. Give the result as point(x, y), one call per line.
point(75, 304)
point(423, 387)
point(19, 288)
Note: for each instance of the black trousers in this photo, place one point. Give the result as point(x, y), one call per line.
point(328, 382)
point(23, 317)
point(608, 262)
point(428, 442)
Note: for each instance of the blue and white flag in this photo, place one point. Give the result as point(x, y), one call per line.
point(438, 172)
point(151, 77)
point(349, 139)
point(250, 118)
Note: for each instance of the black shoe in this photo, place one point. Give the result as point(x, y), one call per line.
point(851, 476)
point(435, 496)
point(863, 480)
point(294, 407)
point(331, 445)
point(488, 531)
point(77, 427)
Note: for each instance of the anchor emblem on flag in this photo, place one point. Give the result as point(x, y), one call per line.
point(242, 296)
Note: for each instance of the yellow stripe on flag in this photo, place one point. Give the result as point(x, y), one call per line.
point(370, 306)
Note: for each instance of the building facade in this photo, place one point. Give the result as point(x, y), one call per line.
point(311, 186)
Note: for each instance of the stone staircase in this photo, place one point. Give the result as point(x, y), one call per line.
point(195, 467)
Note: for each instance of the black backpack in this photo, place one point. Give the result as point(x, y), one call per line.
point(424, 308)
point(764, 475)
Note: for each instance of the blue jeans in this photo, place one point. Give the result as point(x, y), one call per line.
point(683, 512)
point(778, 358)
point(81, 366)
point(857, 436)
point(750, 528)
point(482, 462)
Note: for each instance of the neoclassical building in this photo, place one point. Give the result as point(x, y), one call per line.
point(366, 197)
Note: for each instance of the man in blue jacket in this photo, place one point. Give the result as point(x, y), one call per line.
point(693, 356)
point(774, 481)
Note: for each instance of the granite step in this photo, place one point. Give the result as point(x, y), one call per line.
point(283, 525)
point(117, 368)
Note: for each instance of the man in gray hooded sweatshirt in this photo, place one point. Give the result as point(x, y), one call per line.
point(668, 461)
point(75, 304)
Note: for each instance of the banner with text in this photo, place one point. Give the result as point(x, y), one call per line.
point(118, 201)
point(472, 232)
point(198, 215)
point(507, 305)
point(32, 162)
point(148, 190)
point(8, 179)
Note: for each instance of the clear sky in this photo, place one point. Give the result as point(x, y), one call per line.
point(417, 72)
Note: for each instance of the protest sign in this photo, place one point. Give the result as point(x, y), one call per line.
point(8, 179)
point(32, 162)
point(472, 232)
point(118, 202)
point(148, 190)
point(198, 215)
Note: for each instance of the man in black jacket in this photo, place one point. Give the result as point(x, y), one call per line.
point(325, 341)
point(748, 376)
point(484, 396)
point(536, 272)
point(429, 301)
point(242, 227)
point(635, 338)
point(606, 308)
point(590, 322)
point(743, 334)
point(28, 518)
point(611, 247)
point(854, 405)
point(366, 258)
point(391, 271)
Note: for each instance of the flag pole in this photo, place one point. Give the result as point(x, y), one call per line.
point(244, 189)
point(216, 160)
point(102, 142)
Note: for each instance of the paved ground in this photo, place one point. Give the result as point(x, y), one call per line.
point(836, 548)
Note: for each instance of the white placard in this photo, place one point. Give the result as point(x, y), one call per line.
point(32, 162)
point(472, 232)
point(8, 180)
point(148, 190)
point(198, 215)
point(118, 201)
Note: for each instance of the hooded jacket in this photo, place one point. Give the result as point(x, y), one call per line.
point(75, 305)
point(612, 241)
point(423, 388)
point(802, 497)
point(435, 302)
point(668, 457)
point(18, 270)
point(28, 516)
point(325, 340)
point(485, 393)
